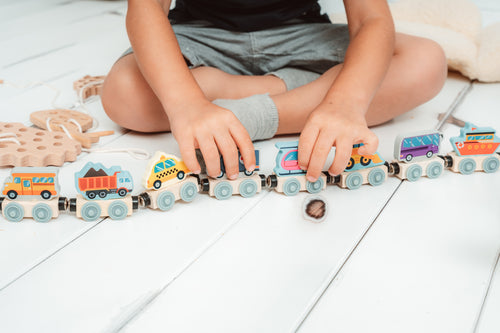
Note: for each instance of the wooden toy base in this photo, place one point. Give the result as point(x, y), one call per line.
point(467, 164)
point(91, 210)
point(165, 197)
point(246, 186)
point(291, 185)
point(412, 171)
point(40, 210)
point(374, 176)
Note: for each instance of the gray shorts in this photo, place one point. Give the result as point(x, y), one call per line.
point(296, 52)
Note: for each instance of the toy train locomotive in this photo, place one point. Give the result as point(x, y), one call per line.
point(105, 192)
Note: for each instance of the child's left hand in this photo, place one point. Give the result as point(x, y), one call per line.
point(341, 125)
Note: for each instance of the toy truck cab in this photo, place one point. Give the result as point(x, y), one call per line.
point(124, 182)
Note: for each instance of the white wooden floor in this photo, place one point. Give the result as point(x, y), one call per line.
point(401, 257)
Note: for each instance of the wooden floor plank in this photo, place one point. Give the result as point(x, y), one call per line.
point(268, 270)
point(432, 250)
point(488, 320)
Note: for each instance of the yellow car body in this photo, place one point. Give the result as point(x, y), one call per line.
point(163, 168)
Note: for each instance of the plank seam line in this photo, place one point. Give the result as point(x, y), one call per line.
point(50, 256)
point(337, 270)
point(486, 293)
point(148, 301)
point(41, 54)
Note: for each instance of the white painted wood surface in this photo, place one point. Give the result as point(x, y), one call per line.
point(246, 265)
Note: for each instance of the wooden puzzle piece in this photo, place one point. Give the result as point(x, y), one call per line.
point(89, 86)
point(35, 147)
point(73, 121)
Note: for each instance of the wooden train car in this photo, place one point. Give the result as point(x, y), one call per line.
point(165, 197)
point(223, 188)
point(39, 210)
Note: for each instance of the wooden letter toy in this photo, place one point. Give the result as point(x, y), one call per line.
point(27, 146)
point(288, 178)
point(75, 122)
point(95, 181)
point(362, 169)
point(32, 192)
point(416, 156)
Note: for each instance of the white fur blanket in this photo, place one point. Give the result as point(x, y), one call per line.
point(456, 25)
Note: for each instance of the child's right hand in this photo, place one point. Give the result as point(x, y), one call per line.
point(212, 129)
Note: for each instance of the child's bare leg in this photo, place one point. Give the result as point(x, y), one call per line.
point(416, 74)
point(129, 101)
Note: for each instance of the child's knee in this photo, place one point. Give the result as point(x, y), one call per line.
point(436, 69)
point(118, 94)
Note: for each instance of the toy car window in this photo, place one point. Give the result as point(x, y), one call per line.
point(43, 180)
point(159, 167)
point(17, 180)
point(50, 180)
point(26, 183)
point(427, 140)
point(36, 180)
point(169, 163)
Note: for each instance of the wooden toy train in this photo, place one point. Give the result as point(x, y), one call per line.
point(105, 192)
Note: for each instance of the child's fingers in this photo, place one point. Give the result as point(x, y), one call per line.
point(319, 155)
point(370, 141)
point(306, 144)
point(343, 153)
point(245, 145)
point(229, 152)
point(186, 146)
point(210, 155)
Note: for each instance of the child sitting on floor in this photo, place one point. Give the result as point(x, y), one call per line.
point(219, 74)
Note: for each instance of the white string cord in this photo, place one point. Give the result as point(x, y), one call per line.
point(9, 137)
point(81, 101)
point(73, 121)
point(136, 153)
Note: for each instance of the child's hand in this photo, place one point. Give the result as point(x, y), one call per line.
point(212, 129)
point(333, 125)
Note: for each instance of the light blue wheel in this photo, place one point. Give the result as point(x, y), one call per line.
point(315, 187)
point(248, 188)
point(13, 212)
point(414, 172)
point(91, 211)
point(189, 191)
point(42, 213)
point(434, 170)
point(467, 166)
point(118, 210)
point(165, 200)
point(291, 187)
point(223, 190)
point(354, 181)
point(376, 177)
point(491, 164)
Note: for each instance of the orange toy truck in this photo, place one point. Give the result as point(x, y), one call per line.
point(31, 181)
